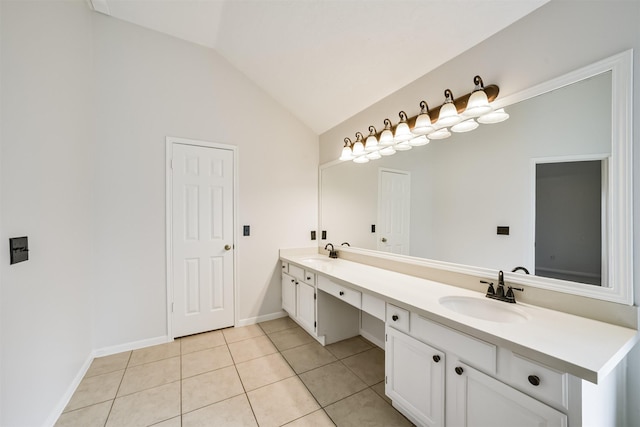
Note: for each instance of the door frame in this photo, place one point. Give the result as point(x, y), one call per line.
point(170, 142)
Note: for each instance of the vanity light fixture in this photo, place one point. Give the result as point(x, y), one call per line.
point(402, 133)
point(372, 141)
point(478, 103)
point(347, 153)
point(358, 146)
point(456, 115)
point(448, 112)
point(386, 137)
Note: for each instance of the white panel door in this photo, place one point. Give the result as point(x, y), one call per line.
point(202, 239)
point(393, 211)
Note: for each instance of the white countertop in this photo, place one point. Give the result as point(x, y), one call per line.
point(583, 347)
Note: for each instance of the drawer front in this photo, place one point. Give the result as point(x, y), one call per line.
point(285, 267)
point(397, 318)
point(473, 351)
point(341, 292)
point(309, 278)
point(539, 381)
point(374, 306)
point(296, 271)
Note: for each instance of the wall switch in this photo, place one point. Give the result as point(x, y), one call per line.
point(373, 228)
point(246, 230)
point(313, 235)
point(324, 234)
point(503, 230)
point(18, 249)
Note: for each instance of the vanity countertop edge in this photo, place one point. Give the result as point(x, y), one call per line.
point(586, 348)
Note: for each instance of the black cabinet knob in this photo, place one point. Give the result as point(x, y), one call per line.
point(394, 317)
point(293, 281)
point(534, 380)
point(459, 370)
point(436, 358)
point(341, 293)
point(308, 277)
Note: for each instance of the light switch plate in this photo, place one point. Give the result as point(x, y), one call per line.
point(18, 249)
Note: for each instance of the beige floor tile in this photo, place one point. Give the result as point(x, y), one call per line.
point(210, 387)
point(106, 364)
point(290, 338)
point(201, 341)
point(349, 347)
point(368, 365)
point(251, 348)
point(150, 375)
point(314, 419)
point(365, 408)
point(173, 422)
point(277, 325)
point(146, 407)
point(97, 389)
point(331, 383)
point(234, 412)
point(281, 402)
point(264, 370)
point(155, 353)
point(242, 333)
point(308, 356)
point(205, 360)
point(91, 416)
point(379, 388)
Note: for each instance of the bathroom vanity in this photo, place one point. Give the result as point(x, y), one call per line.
point(456, 358)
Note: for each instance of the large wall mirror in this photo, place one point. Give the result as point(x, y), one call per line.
point(474, 202)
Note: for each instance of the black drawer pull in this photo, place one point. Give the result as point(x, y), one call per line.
point(459, 370)
point(308, 277)
point(534, 380)
point(436, 358)
point(394, 317)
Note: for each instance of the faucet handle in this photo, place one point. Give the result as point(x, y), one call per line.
point(490, 290)
point(510, 297)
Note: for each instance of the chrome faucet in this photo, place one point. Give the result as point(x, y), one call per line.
point(499, 293)
point(332, 252)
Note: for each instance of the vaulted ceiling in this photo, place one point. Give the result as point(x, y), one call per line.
point(326, 60)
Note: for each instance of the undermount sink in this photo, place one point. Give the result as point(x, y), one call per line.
point(317, 260)
point(485, 309)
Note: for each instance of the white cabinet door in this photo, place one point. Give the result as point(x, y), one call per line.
point(479, 400)
point(289, 294)
point(415, 378)
point(306, 308)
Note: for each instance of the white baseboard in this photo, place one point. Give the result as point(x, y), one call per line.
point(263, 318)
point(134, 345)
point(66, 397)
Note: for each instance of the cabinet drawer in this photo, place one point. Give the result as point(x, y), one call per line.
point(397, 318)
point(296, 271)
point(341, 292)
point(309, 278)
point(374, 306)
point(539, 381)
point(475, 352)
point(285, 267)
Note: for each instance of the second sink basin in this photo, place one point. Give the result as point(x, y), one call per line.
point(485, 309)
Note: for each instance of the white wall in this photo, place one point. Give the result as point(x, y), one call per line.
point(87, 102)
point(46, 161)
point(148, 86)
point(559, 37)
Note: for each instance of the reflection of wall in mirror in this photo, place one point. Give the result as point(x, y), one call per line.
point(465, 186)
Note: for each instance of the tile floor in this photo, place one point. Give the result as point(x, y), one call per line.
point(269, 374)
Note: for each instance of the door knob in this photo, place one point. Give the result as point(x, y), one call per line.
point(384, 240)
point(227, 247)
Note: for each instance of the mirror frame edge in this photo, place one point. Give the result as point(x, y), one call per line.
point(620, 210)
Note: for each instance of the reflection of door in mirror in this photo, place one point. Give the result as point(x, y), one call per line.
point(393, 211)
point(570, 202)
